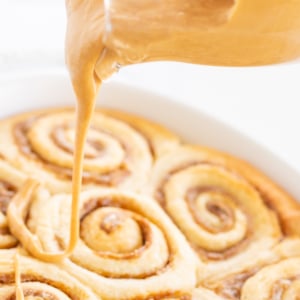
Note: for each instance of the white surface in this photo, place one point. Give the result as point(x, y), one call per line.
point(53, 90)
point(31, 34)
point(264, 103)
point(261, 102)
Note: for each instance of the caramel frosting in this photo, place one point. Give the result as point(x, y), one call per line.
point(116, 153)
point(102, 36)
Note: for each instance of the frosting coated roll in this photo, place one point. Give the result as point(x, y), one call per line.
point(128, 247)
point(40, 281)
point(11, 181)
point(231, 214)
point(116, 154)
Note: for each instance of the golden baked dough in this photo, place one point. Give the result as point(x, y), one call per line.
point(235, 219)
point(201, 293)
point(128, 247)
point(279, 281)
point(11, 180)
point(39, 280)
point(185, 223)
point(160, 139)
point(117, 154)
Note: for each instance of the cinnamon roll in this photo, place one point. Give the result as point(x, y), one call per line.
point(232, 215)
point(117, 152)
point(11, 181)
point(128, 247)
point(40, 281)
point(275, 282)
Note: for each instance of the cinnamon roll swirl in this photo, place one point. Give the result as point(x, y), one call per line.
point(128, 247)
point(117, 152)
point(232, 215)
point(39, 281)
point(11, 181)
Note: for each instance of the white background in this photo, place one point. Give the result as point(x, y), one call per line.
point(263, 102)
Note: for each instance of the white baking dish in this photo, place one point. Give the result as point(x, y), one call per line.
point(23, 93)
